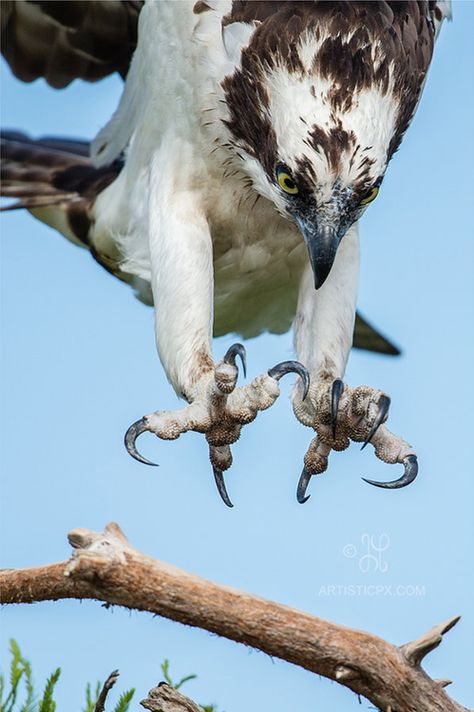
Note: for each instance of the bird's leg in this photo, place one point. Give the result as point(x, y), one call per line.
point(337, 412)
point(182, 283)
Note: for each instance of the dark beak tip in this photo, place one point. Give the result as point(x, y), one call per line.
point(322, 246)
point(320, 276)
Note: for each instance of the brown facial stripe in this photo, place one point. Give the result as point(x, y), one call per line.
point(305, 176)
point(404, 31)
point(247, 99)
point(363, 180)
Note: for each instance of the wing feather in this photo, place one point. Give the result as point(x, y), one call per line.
point(62, 41)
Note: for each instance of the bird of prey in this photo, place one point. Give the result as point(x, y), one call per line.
point(227, 188)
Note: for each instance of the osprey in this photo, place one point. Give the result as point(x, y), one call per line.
point(227, 188)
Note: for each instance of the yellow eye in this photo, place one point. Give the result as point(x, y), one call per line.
point(370, 196)
point(286, 182)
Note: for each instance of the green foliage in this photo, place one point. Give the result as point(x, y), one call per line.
point(20, 669)
point(21, 688)
point(47, 704)
point(124, 701)
point(20, 695)
point(91, 697)
point(165, 669)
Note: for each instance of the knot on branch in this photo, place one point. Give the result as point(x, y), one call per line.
point(111, 545)
point(415, 651)
point(346, 672)
point(164, 698)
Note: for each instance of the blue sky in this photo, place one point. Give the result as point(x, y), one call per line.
point(79, 365)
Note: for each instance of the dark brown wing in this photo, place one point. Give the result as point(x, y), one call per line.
point(50, 171)
point(66, 40)
point(55, 180)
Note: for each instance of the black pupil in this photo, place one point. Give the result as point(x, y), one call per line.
point(289, 183)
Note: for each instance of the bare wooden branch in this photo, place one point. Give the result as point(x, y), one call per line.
point(164, 698)
point(107, 568)
point(108, 684)
point(415, 651)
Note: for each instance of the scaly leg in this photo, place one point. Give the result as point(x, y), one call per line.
point(338, 413)
point(182, 283)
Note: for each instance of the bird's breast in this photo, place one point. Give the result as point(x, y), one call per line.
point(259, 257)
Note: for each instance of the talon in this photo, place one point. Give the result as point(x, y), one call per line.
point(291, 367)
point(219, 479)
point(136, 429)
point(384, 405)
point(303, 483)
point(410, 464)
point(234, 351)
point(336, 393)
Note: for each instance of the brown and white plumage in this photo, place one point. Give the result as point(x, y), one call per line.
point(56, 181)
point(248, 135)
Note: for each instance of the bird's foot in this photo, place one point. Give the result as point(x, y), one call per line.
point(340, 414)
point(219, 410)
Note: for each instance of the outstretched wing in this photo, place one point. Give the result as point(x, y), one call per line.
point(62, 41)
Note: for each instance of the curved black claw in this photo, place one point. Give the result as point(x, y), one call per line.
point(303, 483)
point(336, 393)
point(410, 464)
point(136, 429)
point(284, 367)
point(219, 478)
point(234, 351)
point(384, 405)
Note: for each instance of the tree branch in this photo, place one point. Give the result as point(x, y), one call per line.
point(105, 567)
point(164, 698)
point(107, 686)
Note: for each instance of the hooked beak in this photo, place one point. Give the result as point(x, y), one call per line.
point(322, 243)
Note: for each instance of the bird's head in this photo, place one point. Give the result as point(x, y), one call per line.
point(315, 119)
